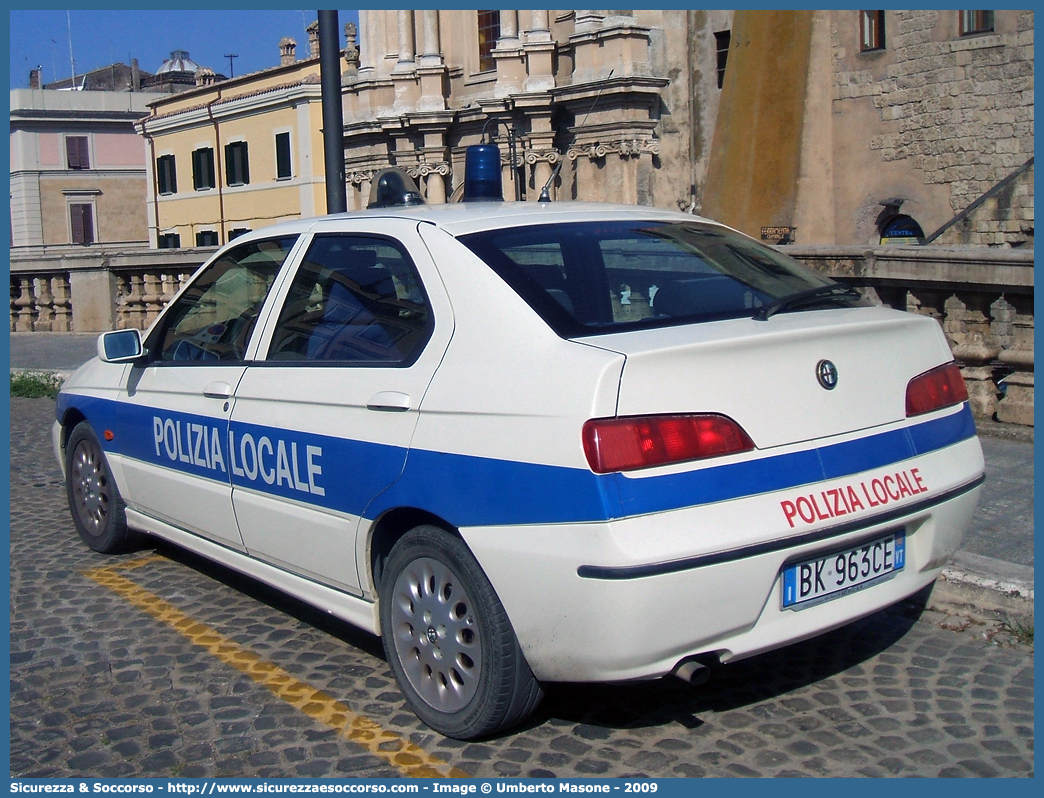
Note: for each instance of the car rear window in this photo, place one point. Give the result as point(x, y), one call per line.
point(598, 277)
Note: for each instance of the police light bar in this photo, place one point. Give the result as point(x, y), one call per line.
point(393, 187)
point(482, 181)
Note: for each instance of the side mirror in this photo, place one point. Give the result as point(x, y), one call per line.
point(120, 346)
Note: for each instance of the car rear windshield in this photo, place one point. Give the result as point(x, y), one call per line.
point(588, 278)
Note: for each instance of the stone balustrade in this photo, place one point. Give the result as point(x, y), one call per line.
point(41, 302)
point(96, 291)
point(982, 298)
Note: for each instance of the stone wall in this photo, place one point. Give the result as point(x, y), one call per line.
point(957, 109)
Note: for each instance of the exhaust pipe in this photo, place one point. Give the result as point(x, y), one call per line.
point(695, 670)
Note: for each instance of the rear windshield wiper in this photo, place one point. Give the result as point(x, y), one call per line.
point(824, 293)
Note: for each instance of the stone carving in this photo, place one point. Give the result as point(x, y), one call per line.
point(626, 148)
point(424, 169)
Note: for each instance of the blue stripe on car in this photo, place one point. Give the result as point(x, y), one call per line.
point(346, 475)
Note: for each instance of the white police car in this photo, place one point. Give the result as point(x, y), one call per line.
point(532, 442)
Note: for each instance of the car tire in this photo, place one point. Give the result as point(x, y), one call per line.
point(449, 641)
point(97, 509)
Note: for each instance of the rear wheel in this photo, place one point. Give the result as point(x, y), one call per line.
point(97, 509)
point(448, 639)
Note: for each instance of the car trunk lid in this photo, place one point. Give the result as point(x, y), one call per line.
point(763, 374)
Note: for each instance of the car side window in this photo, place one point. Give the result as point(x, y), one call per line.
point(212, 320)
point(355, 299)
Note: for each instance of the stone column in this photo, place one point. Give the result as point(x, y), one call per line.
point(432, 68)
point(540, 51)
point(510, 57)
point(431, 52)
point(44, 304)
point(436, 188)
point(368, 56)
point(22, 307)
point(508, 30)
point(539, 28)
point(542, 170)
point(351, 49)
point(63, 304)
point(407, 46)
point(587, 21)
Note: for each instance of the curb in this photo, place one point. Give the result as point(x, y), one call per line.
point(1009, 578)
point(63, 374)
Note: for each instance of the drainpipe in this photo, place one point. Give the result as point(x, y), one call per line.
point(690, 44)
point(217, 168)
point(155, 183)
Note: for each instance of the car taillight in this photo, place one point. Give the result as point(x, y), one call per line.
point(940, 387)
point(625, 444)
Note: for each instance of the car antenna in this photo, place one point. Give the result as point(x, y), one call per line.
point(545, 194)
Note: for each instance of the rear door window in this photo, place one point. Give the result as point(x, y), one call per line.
point(354, 299)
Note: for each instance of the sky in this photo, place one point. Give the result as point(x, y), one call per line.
point(40, 38)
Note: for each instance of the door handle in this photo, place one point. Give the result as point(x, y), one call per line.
point(391, 401)
point(218, 390)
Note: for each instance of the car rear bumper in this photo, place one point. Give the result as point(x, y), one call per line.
point(630, 599)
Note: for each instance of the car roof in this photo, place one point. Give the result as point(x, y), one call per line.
point(461, 218)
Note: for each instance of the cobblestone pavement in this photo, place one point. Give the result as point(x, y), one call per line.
point(100, 687)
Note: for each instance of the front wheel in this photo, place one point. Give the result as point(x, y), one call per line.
point(449, 641)
point(97, 509)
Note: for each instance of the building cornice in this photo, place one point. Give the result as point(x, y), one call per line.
point(63, 116)
point(232, 84)
point(225, 108)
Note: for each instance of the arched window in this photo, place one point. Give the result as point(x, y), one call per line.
point(901, 229)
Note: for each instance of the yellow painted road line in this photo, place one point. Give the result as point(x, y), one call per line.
point(411, 760)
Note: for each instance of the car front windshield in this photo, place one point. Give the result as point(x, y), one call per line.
point(587, 278)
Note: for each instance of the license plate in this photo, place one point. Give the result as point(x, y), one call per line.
point(843, 572)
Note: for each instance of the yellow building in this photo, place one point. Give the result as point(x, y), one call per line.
point(231, 156)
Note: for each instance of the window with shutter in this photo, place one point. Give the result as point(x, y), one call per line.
point(81, 218)
point(237, 170)
point(203, 169)
point(166, 175)
point(283, 167)
point(76, 151)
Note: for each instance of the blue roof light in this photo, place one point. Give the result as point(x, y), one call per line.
point(482, 179)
